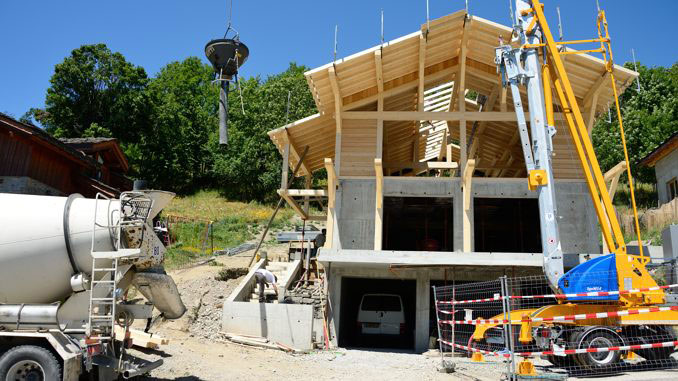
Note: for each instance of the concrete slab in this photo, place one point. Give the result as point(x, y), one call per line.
point(427, 258)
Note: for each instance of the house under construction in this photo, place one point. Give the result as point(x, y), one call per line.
point(426, 178)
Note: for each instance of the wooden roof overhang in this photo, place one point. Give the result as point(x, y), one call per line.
point(356, 80)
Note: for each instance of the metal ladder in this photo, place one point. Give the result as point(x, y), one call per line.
point(101, 322)
point(102, 297)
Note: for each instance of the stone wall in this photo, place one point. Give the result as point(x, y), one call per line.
point(26, 185)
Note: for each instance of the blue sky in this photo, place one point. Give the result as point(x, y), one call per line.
point(36, 35)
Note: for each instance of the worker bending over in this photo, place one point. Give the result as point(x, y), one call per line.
point(263, 278)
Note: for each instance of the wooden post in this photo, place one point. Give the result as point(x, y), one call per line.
point(308, 185)
point(613, 177)
point(285, 166)
point(331, 195)
point(337, 118)
point(379, 204)
point(466, 195)
point(380, 103)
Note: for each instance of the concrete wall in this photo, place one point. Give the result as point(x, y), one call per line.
point(26, 185)
point(288, 324)
point(355, 207)
point(423, 278)
point(665, 170)
point(356, 214)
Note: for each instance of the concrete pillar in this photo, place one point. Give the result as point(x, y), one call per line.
point(421, 329)
point(334, 291)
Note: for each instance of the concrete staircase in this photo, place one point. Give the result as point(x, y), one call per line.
point(280, 270)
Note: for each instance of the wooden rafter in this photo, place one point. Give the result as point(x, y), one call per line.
point(488, 106)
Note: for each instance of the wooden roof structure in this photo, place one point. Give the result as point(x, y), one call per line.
point(414, 84)
point(662, 150)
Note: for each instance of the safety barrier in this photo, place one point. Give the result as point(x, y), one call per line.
point(499, 319)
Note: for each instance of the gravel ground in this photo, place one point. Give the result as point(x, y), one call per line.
point(197, 351)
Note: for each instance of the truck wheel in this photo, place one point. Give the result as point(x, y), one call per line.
point(30, 363)
point(599, 339)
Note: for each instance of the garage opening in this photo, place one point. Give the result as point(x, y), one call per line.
point(418, 224)
point(509, 225)
point(377, 313)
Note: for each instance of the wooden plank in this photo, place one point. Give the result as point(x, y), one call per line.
point(140, 338)
point(379, 204)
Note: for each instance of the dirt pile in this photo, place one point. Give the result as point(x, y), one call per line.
point(203, 294)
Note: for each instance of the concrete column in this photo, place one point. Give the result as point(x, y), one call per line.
point(422, 312)
point(334, 292)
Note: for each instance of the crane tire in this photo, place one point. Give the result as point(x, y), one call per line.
point(599, 338)
point(29, 362)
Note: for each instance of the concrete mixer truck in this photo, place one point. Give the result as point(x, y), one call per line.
point(66, 264)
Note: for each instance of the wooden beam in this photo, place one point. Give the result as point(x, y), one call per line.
point(490, 116)
point(293, 203)
point(337, 117)
point(466, 191)
point(331, 196)
point(379, 204)
point(615, 171)
point(591, 100)
point(421, 71)
point(502, 103)
point(423, 165)
point(408, 85)
point(380, 102)
point(316, 218)
point(307, 199)
point(488, 106)
point(613, 177)
point(331, 181)
point(285, 166)
point(304, 192)
point(294, 152)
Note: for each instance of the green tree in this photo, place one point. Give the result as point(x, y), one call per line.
point(650, 116)
point(249, 167)
point(183, 101)
point(95, 90)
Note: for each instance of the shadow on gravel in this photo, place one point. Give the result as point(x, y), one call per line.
point(184, 378)
point(153, 352)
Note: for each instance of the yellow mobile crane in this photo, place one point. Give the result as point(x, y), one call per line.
point(606, 291)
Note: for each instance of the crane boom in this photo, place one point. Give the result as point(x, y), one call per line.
point(537, 64)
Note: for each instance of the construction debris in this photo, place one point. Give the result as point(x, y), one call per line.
point(140, 338)
point(260, 342)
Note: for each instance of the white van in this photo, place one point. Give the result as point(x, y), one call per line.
point(381, 314)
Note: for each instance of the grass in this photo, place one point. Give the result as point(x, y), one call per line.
point(233, 223)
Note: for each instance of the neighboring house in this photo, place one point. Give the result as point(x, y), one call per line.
point(664, 159)
point(33, 162)
point(403, 212)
